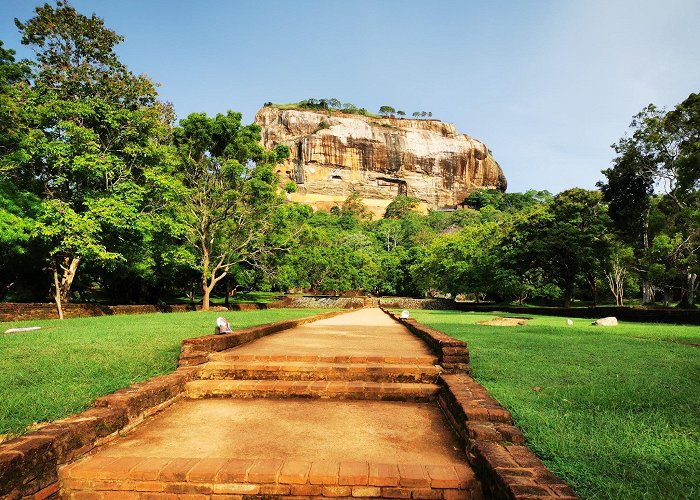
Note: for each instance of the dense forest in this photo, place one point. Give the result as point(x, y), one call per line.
point(104, 197)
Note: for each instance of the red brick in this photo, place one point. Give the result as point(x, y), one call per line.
point(87, 469)
point(353, 473)
point(528, 489)
point(466, 475)
point(442, 476)
point(524, 457)
point(193, 496)
point(120, 468)
point(294, 472)
point(148, 470)
point(479, 414)
point(366, 491)
point(275, 489)
point(413, 476)
point(306, 489)
point(427, 494)
point(336, 491)
point(205, 470)
point(86, 495)
point(177, 469)
point(396, 493)
point(236, 488)
point(158, 496)
point(383, 475)
point(499, 415)
point(496, 455)
point(120, 495)
point(323, 473)
point(234, 470)
point(187, 488)
point(264, 470)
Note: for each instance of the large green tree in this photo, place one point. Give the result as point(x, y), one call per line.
point(656, 175)
point(230, 194)
point(563, 241)
point(93, 147)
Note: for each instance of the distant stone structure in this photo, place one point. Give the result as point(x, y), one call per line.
point(334, 154)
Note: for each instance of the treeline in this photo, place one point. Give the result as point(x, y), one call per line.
point(103, 197)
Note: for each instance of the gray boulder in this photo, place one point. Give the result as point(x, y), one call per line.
point(609, 321)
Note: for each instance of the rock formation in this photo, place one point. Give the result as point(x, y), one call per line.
point(333, 154)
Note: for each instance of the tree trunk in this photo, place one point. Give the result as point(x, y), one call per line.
point(692, 286)
point(647, 293)
point(57, 294)
point(568, 295)
point(206, 292)
point(68, 270)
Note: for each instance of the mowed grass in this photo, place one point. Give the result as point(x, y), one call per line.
point(62, 368)
point(614, 411)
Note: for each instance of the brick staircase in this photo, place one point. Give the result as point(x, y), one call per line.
point(328, 377)
point(240, 374)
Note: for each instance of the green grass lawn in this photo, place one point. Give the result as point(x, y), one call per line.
point(62, 368)
point(614, 411)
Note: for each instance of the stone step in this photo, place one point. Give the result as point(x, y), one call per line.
point(232, 355)
point(152, 477)
point(300, 370)
point(311, 389)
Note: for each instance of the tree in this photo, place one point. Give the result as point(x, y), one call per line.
point(92, 147)
point(400, 205)
point(401, 113)
point(386, 110)
point(230, 194)
point(461, 263)
point(563, 240)
point(416, 114)
point(662, 155)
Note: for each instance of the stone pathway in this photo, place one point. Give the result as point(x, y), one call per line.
point(342, 407)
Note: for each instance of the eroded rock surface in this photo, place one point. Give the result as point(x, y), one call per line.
point(333, 154)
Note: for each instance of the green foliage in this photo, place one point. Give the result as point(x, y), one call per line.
point(601, 420)
point(400, 205)
point(229, 195)
point(386, 110)
point(653, 193)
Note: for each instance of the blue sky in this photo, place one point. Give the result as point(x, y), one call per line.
point(548, 85)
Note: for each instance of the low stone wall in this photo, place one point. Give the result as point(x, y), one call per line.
point(639, 314)
point(10, 311)
point(409, 303)
point(29, 463)
point(329, 302)
point(453, 354)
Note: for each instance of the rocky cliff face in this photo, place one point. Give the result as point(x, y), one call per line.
point(334, 154)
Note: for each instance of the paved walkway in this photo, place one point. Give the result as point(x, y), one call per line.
point(358, 425)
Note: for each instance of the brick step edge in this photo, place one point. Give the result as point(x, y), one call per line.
point(453, 354)
point(212, 476)
point(233, 357)
point(314, 389)
point(293, 370)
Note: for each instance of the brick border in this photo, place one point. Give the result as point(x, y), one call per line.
point(495, 448)
point(231, 476)
point(453, 354)
point(29, 463)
